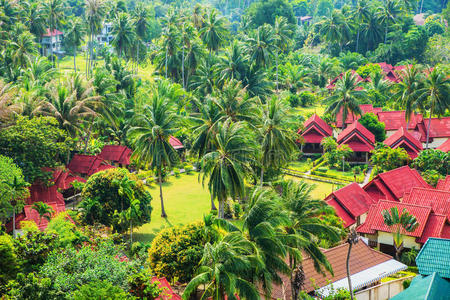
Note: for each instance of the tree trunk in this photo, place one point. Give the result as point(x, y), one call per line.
point(163, 211)
point(261, 177)
point(137, 58)
point(276, 60)
point(428, 127)
point(221, 208)
point(74, 59)
point(386, 32)
point(421, 6)
point(88, 137)
point(182, 69)
point(348, 270)
point(51, 47)
point(14, 222)
point(357, 40)
point(167, 49)
point(213, 205)
point(131, 231)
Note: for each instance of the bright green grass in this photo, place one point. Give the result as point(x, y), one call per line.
point(321, 189)
point(185, 201)
point(318, 109)
point(300, 166)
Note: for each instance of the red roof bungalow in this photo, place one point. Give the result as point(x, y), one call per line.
point(394, 120)
point(365, 108)
point(167, 292)
point(393, 185)
point(351, 204)
point(30, 214)
point(315, 129)
point(332, 83)
point(87, 164)
point(439, 131)
point(385, 67)
point(430, 223)
point(445, 147)
point(444, 184)
point(175, 143)
point(55, 32)
point(403, 139)
point(116, 153)
point(438, 200)
point(359, 139)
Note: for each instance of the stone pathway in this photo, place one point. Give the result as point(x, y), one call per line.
point(367, 177)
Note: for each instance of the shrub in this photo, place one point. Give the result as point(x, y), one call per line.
point(176, 252)
point(431, 159)
point(406, 283)
point(31, 287)
point(366, 70)
point(142, 287)
point(8, 259)
point(370, 121)
point(104, 198)
point(99, 290)
point(176, 172)
point(431, 177)
point(322, 169)
point(237, 209)
point(307, 98)
point(65, 230)
point(188, 169)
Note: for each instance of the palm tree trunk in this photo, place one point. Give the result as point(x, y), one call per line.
point(131, 231)
point(421, 6)
point(182, 69)
point(167, 49)
point(428, 127)
point(163, 211)
point(261, 177)
point(74, 60)
point(137, 58)
point(213, 205)
point(51, 47)
point(386, 32)
point(14, 222)
point(348, 270)
point(221, 208)
point(357, 41)
point(276, 59)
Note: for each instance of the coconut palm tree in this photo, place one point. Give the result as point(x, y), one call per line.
point(141, 25)
point(95, 13)
point(261, 45)
point(224, 167)
point(17, 192)
point(399, 223)
point(360, 13)
point(150, 136)
point(22, 48)
point(214, 31)
point(232, 62)
point(34, 18)
point(123, 32)
point(411, 81)
point(74, 36)
point(7, 104)
point(436, 95)
point(224, 270)
point(329, 144)
point(54, 11)
point(44, 210)
point(276, 139)
point(372, 30)
point(335, 29)
point(170, 44)
point(345, 97)
point(282, 32)
point(387, 14)
point(352, 239)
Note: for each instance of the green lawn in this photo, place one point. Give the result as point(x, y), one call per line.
point(321, 189)
point(185, 201)
point(319, 109)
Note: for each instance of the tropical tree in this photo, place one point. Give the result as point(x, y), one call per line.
point(329, 144)
point(282, 33)
point(214, 31)
point(436, 95)
point(276, 139)
point(123, 32)
point(95, 12)
point(371, 30)
point(17, 192)
point(387, 14)
point(141, 25)
point(23, 48)
point(411, 81)
point(224, 167)
point(399, 223)
point(126, 189)
point(335, 29)
point(352, 239)
point(74, 36)
point(261, 45)
point(34, 18)
point(170, 44)
point(54, 11)
point(345, 97)
point(150, 135)
point(360, 13)
point(7, 105)
point(224, 268)
point(44, 210)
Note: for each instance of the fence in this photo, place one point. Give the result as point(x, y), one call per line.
point(383, 291)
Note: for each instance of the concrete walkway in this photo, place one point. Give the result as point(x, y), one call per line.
point(367, 177)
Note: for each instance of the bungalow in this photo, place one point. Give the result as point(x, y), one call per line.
point(445, 147)
point(367, 268)
point(393, 185)
point(315, 129)
point(439, 131)
point(351, 204)
point(116, 154)
point(87, 164)
point(359, 139)
point(438, 200)
point(365, 108)
point(394, 120)
point(51, 39)
point(379, 234)
point(444, 184)
point(403, 139)
point(175, 143)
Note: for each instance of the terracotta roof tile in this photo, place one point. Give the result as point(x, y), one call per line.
point(341, 212)
point(54, 33)
point(356, 127)
point(438, 200)
point(176, 144)
point(365, 108)
point(439, 128)
point(403, 135)
point(321, 124)
point(116, 153)
point(444, 184)
point(445, 146)
point(434, 227)
point(393, 120)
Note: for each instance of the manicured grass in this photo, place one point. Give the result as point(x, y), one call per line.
point(318, 109)
point(321, 189)
point(185, 201)
point(300, 166)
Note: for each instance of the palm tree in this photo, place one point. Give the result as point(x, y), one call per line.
point(34, 18)
point(7, 105)
point(23, 48)
point(54, 10)
point(126, 190)
point(372, 31)
point(351, 240)
point(224, 268)
point(214, 31)
point(225, 166)
point(95, 12)
point(411, 81)
point(141, 24)
point(436, 93)
point(123, 33)
point(335, 29)
point(151, 136)
point(276, 139)
point(17, 192)
point(387, 14)
point(399, 222)
point(329, 144)
point(295, 77)
point(44, 210)
point(282, 32)
point(261, 45)
point(170, 45)
point(74, 36)
point(360, 14)
point(232, 62)
point(345, 97)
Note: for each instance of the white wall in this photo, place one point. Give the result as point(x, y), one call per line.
point(408, 241)
point(436, 143)
point(382, 291)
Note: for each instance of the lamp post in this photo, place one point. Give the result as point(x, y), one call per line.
point(343, 158)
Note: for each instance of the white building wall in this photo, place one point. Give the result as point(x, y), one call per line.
point(408, 241)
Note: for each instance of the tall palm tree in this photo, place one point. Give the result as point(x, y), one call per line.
point(276, 139)
point(335, 28)
point(372, 30)
point(360, 13)
point(74, 36)
point(399, 222)
point(54, 11)
point(22, 48)
point(261, 45)
point(17, 192)
point(34, 18)
point(224, 270)
point(151, 135)
point(387, 14)
point(95, 12)
point(282, 33)
point(436, 94)
point(44, 210)
point(214, 31)
point(352, 239)
point(7, 104)
point(123, 33)
point(224, 167)
point(170, 44)
point(345, 97)
point(141, 25)
point(232, 62)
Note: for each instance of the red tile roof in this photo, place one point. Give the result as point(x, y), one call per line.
point(352, 199)
point(393, 120)
point(445, 146)
point(385, 66)
point(332, 82)
point(375, 222)
point(54, 33)
point(365, 108)
point(116, 153)
point(316, 120)
point(357, 137)
point(440, 128)
point(434, 228)
point(403, 139)
point(438, 200)
point(315, 129)
point(168, 292)
point(32, 215)
point(394, 184)
point(176, 144)
point(87, 164)
point(444, 184)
